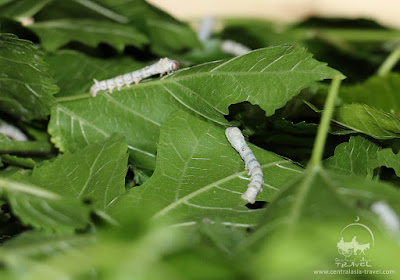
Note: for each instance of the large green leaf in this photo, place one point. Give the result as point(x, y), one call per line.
point(22, 8)
point(79, 9)
point(96, 173)
point(357, 157)
point(339, 194)
point(55, 34)
point(167, 35)
point(306, 218)
point(42, 244)
point(71, 70)
point(41, 208)
point(198, 175)
point(51, 197)
point(268, 77)
point(387, 158)
point(137, 251)
point(361, 118)
point(309, 217)
point(381, 92)
point(26, 90)
point(345, 46)
point(360, 157)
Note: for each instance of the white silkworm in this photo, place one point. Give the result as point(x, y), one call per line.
point(387, 216)
point(235, 48)
point(12, 132)
point(236, 139)
point(165, 65)
point(205, 28)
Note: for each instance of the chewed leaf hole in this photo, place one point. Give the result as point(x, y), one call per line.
point(257, 205)
point(88, 201)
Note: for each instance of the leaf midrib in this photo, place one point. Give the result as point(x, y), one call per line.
point(164, 81)
point(208, 187)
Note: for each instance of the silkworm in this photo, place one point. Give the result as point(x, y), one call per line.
point(205, 29)
point(236, 139)
point(235, 48)
point(12, 132)
point(165, 65)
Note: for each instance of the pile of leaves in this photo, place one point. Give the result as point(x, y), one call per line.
point(141, 183)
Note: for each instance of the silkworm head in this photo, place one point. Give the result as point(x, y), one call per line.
point(235, 137)
point(233, 132)
point(174, 65)
point(94, 89)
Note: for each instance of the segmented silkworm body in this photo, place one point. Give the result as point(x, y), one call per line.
point(236, 139)
point(205, 29)
point(165, 65)
point(235, 48)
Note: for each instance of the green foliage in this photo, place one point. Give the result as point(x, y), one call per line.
point(166, 33)
point(362, 157)
point(21, 8)
point(19, 161)
point(42, 243)
point(52, 196)
point(200, 176)
point(95, 173)
point(26, 88)
point(357, 157)
point(378, 91)
point(70, 208)
point(389, 159)
point(55, 34)
point(71, 70)
point(43, 209)
point(368, 120)
point(206, 90)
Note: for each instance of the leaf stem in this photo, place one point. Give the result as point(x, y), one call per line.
point(18, 161)
point(15, 186)
point(389, 62)
point(25, 147)
point(323, 128)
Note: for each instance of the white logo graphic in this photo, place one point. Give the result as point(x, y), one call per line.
point(355, 247)
point(348, 248)
point(355, 240)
